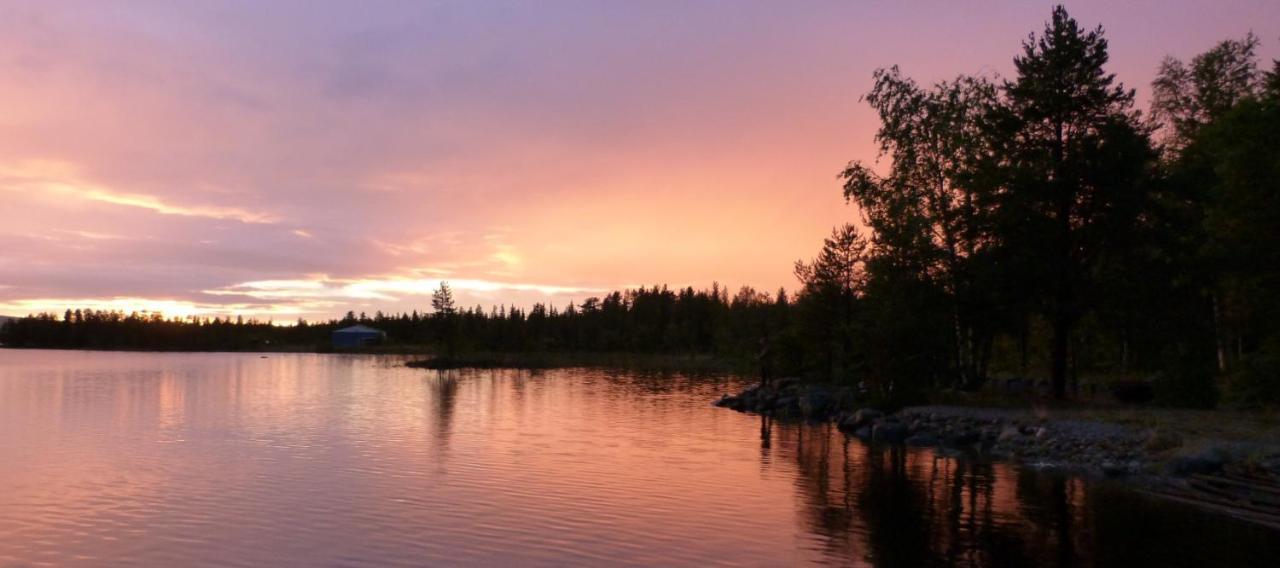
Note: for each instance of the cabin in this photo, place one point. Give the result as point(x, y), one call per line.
point(357, 336)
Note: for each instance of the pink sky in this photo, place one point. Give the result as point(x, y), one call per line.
point(299, 159)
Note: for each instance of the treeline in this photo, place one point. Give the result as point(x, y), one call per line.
point(102, 329)
point(1039, 226)
point(650, 320)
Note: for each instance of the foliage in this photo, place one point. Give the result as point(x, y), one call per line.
point(933, 212)
point(1185, 97)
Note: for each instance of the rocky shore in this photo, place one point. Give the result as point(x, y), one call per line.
point(1025, 436)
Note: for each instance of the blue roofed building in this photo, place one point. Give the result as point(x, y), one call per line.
point(357, 336)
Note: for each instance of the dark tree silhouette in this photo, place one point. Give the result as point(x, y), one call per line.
point(1077, 164)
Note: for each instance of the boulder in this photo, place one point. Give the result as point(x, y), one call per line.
point(1009, 434)
point(848, 423)
point(815, 404)
point(860, 418)
point(784, 383)
point(866, 416)
point(1160, 441)
point(787, 406)
point(890, 431)
point(964, 438)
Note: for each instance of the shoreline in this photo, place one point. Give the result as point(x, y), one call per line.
point(1220, 460)
point(425, 358)
point(575, 359)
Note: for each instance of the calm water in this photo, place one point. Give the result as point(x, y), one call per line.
point(328, 460)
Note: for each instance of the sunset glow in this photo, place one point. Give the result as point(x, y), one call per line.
point(286, 160)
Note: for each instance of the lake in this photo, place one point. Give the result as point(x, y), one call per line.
point(221, 459)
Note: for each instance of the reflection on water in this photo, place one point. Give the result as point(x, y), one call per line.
point(234, 459)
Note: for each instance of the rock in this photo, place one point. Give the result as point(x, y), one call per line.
point(890, 431)
point(1042, 433)
point(863, 432)
point(1160, 441)
point(815, 404)
point(964, 438)
point(787, 406)
point(848, 423)
point(785, 383)
point(865, 416)
point(726, 400)
point(1009, 434)
point(1112, 469)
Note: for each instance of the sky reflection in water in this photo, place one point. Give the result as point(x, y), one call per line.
point(238, 460)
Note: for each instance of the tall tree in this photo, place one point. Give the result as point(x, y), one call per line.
point(1237, 159)
point(442, 300)
point(1209, 112)
point(830, 286)
point(932, 211)
point(1076, 162)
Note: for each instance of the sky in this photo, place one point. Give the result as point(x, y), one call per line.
point(293, 159)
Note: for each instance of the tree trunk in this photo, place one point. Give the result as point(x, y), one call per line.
point(1219, 336)
point(1024, 349)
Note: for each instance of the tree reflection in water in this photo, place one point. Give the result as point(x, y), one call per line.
point(894, 506)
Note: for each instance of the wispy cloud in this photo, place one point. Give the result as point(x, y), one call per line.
point(388, 289)
point(166, 307)
point(95, 236)
point(63, 179)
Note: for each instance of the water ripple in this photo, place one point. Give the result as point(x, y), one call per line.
point(306, 460)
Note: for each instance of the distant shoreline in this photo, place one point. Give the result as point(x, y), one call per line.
point(398, 350)
point(428, 359)
point(568, 359)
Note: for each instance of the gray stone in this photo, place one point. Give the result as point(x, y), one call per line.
point(1009, 434)
point(889, 431)
point(963, 438)
point(815, 404)
point(865, 416)
point(787, 406)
